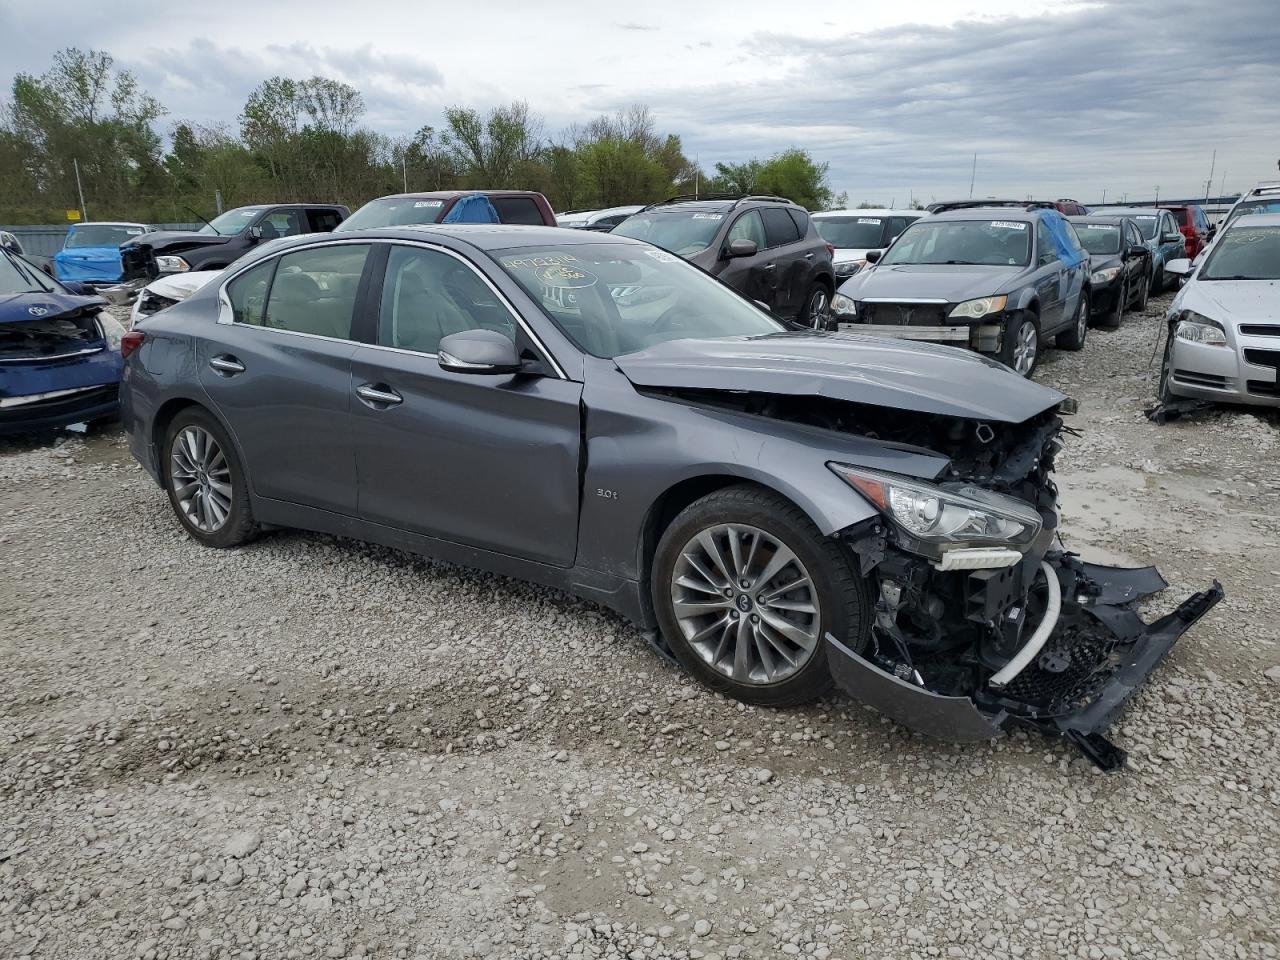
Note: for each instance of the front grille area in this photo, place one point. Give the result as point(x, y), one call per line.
point(1260, 330)
point(1087, 668)
point(1191, 378)
point(1264, 358)
point(61, 406)
point(908, 314)
point(1263, 389)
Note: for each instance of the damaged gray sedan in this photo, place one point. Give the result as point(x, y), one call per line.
point(783, 511)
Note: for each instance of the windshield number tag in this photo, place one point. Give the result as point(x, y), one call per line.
point(429, 203)
point(1008, 225)
point(871, 220)
point(708, 216)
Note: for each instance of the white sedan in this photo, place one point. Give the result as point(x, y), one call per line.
point(1224, 324)
point(166, 291)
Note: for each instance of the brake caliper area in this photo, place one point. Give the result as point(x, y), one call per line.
point(1097, 654)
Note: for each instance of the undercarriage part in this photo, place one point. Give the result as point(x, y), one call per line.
point(1169, 410)
point(1035, 643)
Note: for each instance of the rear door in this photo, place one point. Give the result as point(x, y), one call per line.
point(277, 367)
point(488, 461)
point(793, 263)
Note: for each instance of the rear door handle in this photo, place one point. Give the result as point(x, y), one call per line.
point(378, 396)
point(770, 266)
point(226, 365)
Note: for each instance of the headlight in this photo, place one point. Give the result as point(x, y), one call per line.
point(1196, 328)
point(973, 309)
point(111, 329)
point(935, 519)
point(843, 306)
point(172, 265)
point(1107, 275)
point(849, 267)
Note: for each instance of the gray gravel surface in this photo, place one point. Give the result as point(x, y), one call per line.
point(317, 748)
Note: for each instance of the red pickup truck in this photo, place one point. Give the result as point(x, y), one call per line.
point(453, 206)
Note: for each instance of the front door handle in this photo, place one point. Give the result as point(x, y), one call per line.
point(770, 266)
point(808, 256)
point(379, 396)
point(226, 365)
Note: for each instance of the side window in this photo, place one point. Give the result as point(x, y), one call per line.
point(1047, 250)
point(748, 227)
point(281, 223)
point(779, 228)
point(893, 227)
point(428, 295)
point(323, 220)
point(801, 219)
point(248, 293)
point(517, 210)
point(314, 291)
point(1171, 225)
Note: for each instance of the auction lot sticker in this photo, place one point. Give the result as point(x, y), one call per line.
point(560, 271)
point(1008, 225)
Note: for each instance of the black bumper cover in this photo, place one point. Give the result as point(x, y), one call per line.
point(969, 719)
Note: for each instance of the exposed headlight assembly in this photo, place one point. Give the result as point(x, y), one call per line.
point(843, 306)
point(1196, 328)
point(1107, 275)
point(934, 520)
point(112, 331)
point(973, 309)
point(172, 265)
point(848, 268)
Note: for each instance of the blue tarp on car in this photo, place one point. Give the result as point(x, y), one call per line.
point(473, 208)
point(1069, 250)
point(91, 251)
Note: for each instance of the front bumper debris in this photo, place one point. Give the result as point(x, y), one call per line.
point(1099, 654)
point(984, 337)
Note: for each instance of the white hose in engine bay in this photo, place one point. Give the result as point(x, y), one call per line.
point(1036, 642)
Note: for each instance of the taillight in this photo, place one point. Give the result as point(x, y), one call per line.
point(131, 341)
point(831, 250)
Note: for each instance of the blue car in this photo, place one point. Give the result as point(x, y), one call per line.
point(91, 251)
point(60, 360)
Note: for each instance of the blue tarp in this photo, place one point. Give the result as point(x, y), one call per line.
point(473, 208)
point(1069, 250)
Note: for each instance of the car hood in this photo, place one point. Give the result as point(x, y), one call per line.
point(179, 286)
point(1233, 300)
point(1101, 261)
point(895, 374)
point(927, 281)
point(162, 240)
point(21, 307)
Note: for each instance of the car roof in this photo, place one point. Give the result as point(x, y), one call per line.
point(1128, 211)
point(1108, 219)
point(868, 212)
point(451, 194)
point(1256, 220)
point(489, 236)
point(990, 213)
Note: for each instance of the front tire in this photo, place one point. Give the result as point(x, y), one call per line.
point(745, 589)
point(1073, 339)
point(816, 302)
point(1020, 347)
point(1141, 305)
point(206, 482)
point(1116, 315)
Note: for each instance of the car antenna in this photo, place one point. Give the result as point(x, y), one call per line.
point(206, 222)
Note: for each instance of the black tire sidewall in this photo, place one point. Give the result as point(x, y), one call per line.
point(1012, 328)
point(826, 563)
point(239, 526)
point(1122, 297)
point(806, 311)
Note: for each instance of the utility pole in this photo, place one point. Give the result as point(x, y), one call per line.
point(1157, 193)
point(1104, 196)
point(79, 189)
point(697, 170)
point(973, 175)
point(1208, 187)
point(217, 200)
point(404, 170)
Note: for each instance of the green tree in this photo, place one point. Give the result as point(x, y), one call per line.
point(493, 151)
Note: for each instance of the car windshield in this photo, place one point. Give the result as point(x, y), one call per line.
point(393, 212)
point(230, 223)
point(102, 235)
point(851, 233)
point(1254, 206)
point(613, 299)
point(17, 276)
point(1146, 224)
point(1244, 253)
point(683, 232)
point(1098, 237)
point(975, 242)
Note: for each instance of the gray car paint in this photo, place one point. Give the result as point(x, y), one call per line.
point(520, 468)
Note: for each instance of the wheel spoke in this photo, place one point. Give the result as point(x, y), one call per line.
point(795, 606)
point(699, 584)
point(742, 651)
point(777, 563)
point(708, 543)
point(735, 554)
point(694, 608)
point(789, 630)
point(772, 596)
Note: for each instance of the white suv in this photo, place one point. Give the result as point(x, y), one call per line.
point(854, 232)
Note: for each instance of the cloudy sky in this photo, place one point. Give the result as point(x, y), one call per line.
point(1056, 97)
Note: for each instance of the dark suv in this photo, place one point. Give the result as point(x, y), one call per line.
point(1000, 280)
point(764, 247)
point(224, 238)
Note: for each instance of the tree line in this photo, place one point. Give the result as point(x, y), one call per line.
point(306, 140)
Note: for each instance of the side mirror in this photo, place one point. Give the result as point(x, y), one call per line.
point(1135, 250)
point(478, 351)
point(873, 256)
point(742, 248)
point(1170, 237)
point(763, 306)
point(255, 232)
point(80, 289)
point(1179, 268)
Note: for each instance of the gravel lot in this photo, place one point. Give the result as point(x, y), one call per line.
point(316, 748)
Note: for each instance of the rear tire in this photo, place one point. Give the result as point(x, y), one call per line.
point(1113, 318)
point(1073, 339)
point(816, 303)
point(206, 483)
point(1141, 305)
point(1158, 281)
point(771, 653)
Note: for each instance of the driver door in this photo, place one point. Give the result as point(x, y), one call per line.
point(757, 275)
point(488, 461)
point(1050, 280)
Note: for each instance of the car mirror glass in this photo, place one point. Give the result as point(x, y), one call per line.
point(742, 248)
point(255, 232)
point(873, 256)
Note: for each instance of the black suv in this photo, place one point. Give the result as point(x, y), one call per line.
point(764, 247)
point(998, 279)
point(224, 238)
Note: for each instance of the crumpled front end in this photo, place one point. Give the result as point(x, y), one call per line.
point(967, 639)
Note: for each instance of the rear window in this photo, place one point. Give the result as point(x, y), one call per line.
point(852, 233)
point(517, 210)
point(1098, 238)
point(393, 212)
point(102, 235)
point(779, 228)
point(1180, 216)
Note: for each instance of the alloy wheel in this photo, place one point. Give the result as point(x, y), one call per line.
point(201, 478)
point(817, 305)
point(1025, 348)
point(1082, 317)
point(746, 604)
